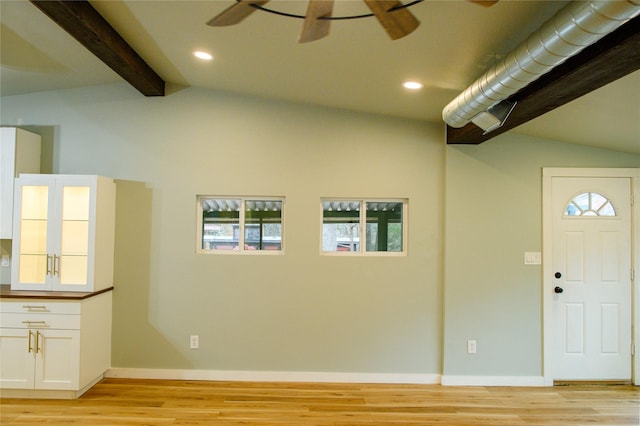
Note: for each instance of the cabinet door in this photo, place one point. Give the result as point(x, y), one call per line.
point(33, 234)
point(57, 362)
point(76, 228)
point(7, 174)
point(17, 349)
point(19, 153)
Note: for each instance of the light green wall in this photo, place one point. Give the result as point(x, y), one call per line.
point(5, 250)
point(295, 312)
point(494, 215)
point(302, 311)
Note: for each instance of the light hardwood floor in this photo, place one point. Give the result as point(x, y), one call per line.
point(165, 402)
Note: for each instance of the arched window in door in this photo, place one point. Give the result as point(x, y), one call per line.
point(590, 204)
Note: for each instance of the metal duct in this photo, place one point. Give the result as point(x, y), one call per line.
point(576, 26)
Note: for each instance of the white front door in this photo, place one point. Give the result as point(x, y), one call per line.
point(591, 282)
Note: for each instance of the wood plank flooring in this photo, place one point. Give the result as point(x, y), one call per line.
point(167, 402)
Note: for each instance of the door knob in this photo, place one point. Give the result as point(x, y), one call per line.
point(558, 275)
point(558, 290)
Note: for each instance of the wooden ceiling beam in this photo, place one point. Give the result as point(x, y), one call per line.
point(86, 25)
point(612, 57)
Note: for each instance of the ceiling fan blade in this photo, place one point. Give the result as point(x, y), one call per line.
point(313, 27)
point(235, 13)
point(485, 3)
point(398, 23)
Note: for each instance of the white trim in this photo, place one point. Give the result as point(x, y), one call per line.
point(241, 251)
point(547, 299)
point(493, 381)
point(362, 227)
point(273, 376)
point(635, 276)
point(589, 172)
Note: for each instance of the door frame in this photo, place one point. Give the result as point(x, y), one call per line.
point(547, 274)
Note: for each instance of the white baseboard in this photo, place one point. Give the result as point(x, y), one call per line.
point(493, 381)
point(272, 376)
point(323, 377)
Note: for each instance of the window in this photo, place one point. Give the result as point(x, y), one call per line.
point(245, 225)
point(363, 226)
point(589, 204)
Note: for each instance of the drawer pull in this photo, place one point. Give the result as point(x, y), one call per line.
point(29, 347)
point(56, 265)
point(36, 308)
point(35, 324)
point(38, 334)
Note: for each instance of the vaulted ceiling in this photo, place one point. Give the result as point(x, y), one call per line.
point(357, 67)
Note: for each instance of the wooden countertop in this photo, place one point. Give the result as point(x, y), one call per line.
point(7, 293)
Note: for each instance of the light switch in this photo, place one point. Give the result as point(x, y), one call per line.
point(532, 258)
point(5, 261)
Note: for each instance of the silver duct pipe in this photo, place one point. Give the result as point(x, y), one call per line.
point(573, 28)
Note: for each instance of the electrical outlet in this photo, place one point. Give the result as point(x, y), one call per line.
point(194, 342)
point(471, 347)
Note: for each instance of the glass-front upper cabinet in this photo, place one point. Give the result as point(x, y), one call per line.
point(63, 233)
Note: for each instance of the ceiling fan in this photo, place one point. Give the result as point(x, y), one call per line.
point(393, 15)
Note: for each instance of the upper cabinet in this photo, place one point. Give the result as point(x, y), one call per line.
point(63, 230)
point(19, 153)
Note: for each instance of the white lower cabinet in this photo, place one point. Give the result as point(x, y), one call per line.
point(54, 348)
point(55, 371)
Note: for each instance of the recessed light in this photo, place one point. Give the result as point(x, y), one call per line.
point(412, 85)
point(203, 55)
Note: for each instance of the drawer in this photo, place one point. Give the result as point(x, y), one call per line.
point(39, 306)
point(40, 321)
